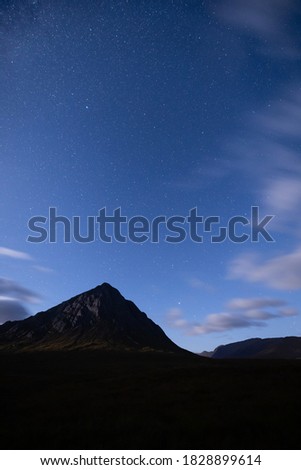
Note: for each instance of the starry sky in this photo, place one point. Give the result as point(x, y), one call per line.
point(155, 107)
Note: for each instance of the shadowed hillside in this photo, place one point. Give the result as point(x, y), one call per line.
point(269, 348)
point(100, 318)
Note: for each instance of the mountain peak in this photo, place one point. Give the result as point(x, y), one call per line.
point(107, 286)
point(98, 318)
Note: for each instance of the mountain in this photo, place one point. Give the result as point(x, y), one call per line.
point(99, 318)
point(206, 353)
point(269, 348)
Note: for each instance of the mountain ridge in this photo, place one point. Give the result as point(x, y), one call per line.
point(98, 318)
point(288, 347)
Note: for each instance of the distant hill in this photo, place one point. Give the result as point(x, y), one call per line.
point(270, 348)
point(100, 318)
point(206, 353)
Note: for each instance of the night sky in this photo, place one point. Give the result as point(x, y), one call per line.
point(155, 107)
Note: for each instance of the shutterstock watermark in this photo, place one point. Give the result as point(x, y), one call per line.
point(117, 227)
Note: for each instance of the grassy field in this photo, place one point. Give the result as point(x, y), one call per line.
point(97, 400)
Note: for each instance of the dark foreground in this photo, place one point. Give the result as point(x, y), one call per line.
point(93, 400)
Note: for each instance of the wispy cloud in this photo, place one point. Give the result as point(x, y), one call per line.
point(281, 183)
point(241, 313)
point(199, 284)
point(42, 269)
point(12, 297)
point(269, 21)
point(281, 272)
point(269, 129)
point(251, 303)
point(14, 254)
point(9, 288)
point(268, 152)
point(175, 318)
point(273, 132)
point(282, 118)
point(11, 309)
point(268, 156)
point(282, 196)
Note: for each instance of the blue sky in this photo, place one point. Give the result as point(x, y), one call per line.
point(156, 107)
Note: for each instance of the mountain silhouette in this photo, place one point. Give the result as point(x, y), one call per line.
point(99, 318)
point(268, 348)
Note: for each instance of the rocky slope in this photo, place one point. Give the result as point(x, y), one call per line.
point(99, 318)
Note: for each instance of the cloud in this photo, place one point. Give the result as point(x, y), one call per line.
point(175, 318)
point(261, 17)
point(281, 177)
point(218, 322)
point(242, 313)
point(12, 297)
point(282, 196)
point(272, 133)
point(283, 118)
point(271, 145)
point(281, 182)
point(269, 130)
point(251, 304)
point(268, 21)
point(14, 254)
point(11, 309)
point(279, 157)
point(43, 269)
point(289, 312)
point(260, 315)
point(196, 283)
point(12, 289)
point(281, 272)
